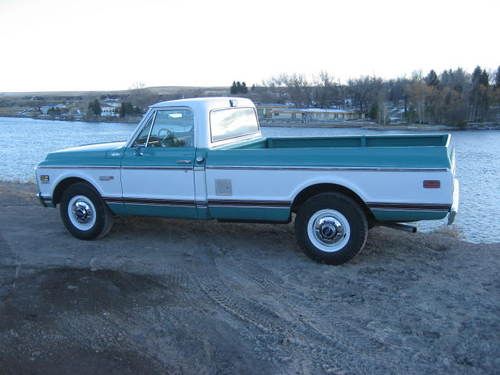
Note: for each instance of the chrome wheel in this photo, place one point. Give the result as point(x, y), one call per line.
point(81, 212)
point(328, 230)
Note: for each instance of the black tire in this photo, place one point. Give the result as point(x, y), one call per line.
point(103, 217)
point(350, 212)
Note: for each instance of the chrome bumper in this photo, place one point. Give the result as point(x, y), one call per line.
point(45, 201)
point(456, 199)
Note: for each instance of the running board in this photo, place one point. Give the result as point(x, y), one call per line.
point(399, 226)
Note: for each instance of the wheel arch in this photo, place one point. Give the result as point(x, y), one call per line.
point(67, 182)
point(319, 188)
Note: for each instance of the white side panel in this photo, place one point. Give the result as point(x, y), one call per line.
point(105, 180)
point(200, 187)
point(371, 186)
point(174, 184)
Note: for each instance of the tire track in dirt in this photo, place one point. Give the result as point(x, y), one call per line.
point(331, 352)
point(260, 276)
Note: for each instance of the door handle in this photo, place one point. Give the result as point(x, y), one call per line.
point(184, 161)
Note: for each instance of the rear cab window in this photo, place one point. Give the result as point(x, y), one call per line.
point(231, 123)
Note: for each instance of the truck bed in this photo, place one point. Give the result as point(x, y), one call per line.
point(396, 151)
point(350, 141)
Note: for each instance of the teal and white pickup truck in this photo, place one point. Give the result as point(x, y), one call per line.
point(206, 158)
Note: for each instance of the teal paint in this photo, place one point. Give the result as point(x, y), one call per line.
point(409, 140)
point(396, 151)
point(404, 215)
point(203, 213)
point(106, 154)
point(181, 212)
point(415, 151)
point(118, 208)
point(279, 214)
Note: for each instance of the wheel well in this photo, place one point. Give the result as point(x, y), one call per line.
point(327, 188)
point(64, 184)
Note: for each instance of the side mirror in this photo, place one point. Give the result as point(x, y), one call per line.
point(139, 150)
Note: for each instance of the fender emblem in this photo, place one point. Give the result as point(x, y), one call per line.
point(105, 178)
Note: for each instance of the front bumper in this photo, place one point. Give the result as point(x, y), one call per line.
point(456, 199)
point(45, 201)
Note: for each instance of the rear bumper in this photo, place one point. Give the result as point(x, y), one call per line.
point(455, 203)
point(45, 201)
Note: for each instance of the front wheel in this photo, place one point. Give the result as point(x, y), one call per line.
point(83, 212)
point(331, 228)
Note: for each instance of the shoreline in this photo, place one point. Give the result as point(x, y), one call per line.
point(366, 125)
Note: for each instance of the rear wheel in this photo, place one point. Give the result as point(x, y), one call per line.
point(83, 212)
point(331, 228)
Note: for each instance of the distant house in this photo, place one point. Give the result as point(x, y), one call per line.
point(108, 111)
point(110, 108)
point(286, 113)
point(46, 108)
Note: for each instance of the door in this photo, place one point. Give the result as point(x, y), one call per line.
point(157, 168)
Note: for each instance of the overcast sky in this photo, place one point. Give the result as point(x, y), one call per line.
point(105, 45)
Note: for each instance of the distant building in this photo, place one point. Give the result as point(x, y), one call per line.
point(108, 111)
point(110, 108)
point(45, 108)
point(285, 113)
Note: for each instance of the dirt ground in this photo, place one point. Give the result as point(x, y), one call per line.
point(167, 296)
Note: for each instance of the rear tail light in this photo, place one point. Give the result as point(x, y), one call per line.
point(432, 184)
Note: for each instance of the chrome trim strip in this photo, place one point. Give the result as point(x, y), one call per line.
point(409, 206)
point(408, 209)
point(167, 202)
point(187, 168)
point(200, 204)
point(115, 167)
point(273, 168)
point(239, 203)
point(79, 167)
point(244, 206)
point(233, 203)
point(312, 168)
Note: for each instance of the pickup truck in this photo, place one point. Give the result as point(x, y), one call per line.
point(206, 158)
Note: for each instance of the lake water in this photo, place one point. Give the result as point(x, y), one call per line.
point(25, 142)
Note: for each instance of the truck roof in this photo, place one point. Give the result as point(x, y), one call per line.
point(207, 103)
point(201, 107)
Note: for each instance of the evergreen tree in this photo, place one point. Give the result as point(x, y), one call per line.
point(233, 88)
point(484, 79)
point(497, 78)
point(244, 88)
point(479, 95)
point(239, 88)
point(476, 75)
point(373, 114)
point(432, 78)
point(95, 108)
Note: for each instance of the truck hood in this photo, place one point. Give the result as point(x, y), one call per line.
point(98, 154)
point(109, 146)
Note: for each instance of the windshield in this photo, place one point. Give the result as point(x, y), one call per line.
point(232, 123)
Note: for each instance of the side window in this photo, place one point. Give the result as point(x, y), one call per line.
point(172, 128)
point(142, 138)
